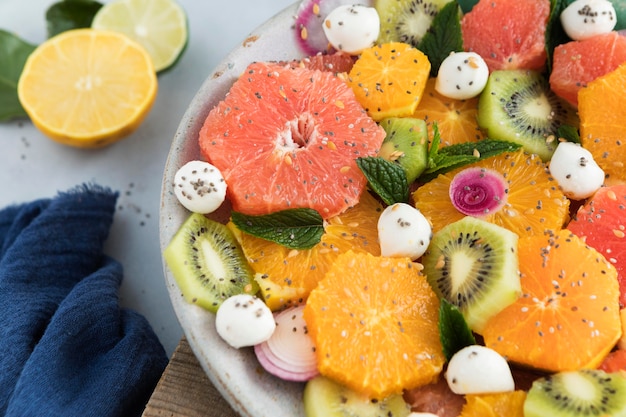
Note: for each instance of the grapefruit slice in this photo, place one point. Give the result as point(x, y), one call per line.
point(508, 34)
point(288, 138)
point(601, 222)
point(577, 63)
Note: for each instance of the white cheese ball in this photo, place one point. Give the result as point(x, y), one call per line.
point(352, 28)
point(200, 187)
point(462, 75)
point(244, 320)
point(478, 369)
point(403, 231)
point(577, 173)
point(583, 19)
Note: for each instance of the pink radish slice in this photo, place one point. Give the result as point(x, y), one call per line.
point(289, 353)
point(309, 18)
point(478, 191)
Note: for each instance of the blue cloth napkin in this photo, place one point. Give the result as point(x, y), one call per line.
point(66, 347)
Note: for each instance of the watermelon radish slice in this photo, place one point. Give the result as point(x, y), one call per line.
point(601, 222)
point(289, 353)
point(308, 26)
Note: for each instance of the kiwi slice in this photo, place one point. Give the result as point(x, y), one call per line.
point(324, 397)
point(474, 265)
point(207, 263)
point(589, 392)
point(406, 143)
point(406, 20)
point(518, 106)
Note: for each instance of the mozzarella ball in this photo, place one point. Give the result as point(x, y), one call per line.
point(478, 369)
point(403, 231)
point(577, 173)
point(583, 19)
point(244, 320)
point(352, 28)
point(462, 75)
point(200, 187)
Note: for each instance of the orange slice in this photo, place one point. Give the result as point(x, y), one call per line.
point(389, 79)
point(504, 404)
point(568, 315)
point(533, 203)
point(602, 110)
point(88, 88)
point(374, 321)
point(456, 119)
point(287, 276)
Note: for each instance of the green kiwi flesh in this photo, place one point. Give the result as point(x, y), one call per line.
point(406, 143)
point(324, 397)
point(474, 265)
point(406, 20)
point(577, 393)
point(518, 106)
point(207, 263)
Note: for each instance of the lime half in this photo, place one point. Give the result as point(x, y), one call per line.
point(160, 26)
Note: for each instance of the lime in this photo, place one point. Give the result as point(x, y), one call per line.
point(160, 26)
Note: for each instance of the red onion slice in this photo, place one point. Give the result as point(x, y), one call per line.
point(289, 353)
point(478, 191)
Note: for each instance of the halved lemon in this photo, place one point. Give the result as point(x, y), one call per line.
point(160, 26)
point(88, 88)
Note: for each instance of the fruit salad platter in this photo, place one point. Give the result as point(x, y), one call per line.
point(372, 208)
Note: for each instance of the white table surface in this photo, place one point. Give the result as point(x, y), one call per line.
point(33, 167)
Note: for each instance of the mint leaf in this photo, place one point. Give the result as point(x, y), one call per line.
point(70, 14)
point(569, 133)
point(444, 36)
point(454, 332)
point(455, 156)
point(13, 54)
point(300, 228)
point(385, 178)
point(555, 35)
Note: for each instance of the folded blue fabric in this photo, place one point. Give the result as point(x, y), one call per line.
point(66, 347)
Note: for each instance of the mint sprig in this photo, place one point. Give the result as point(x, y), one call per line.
point(448, 158)
point(385, 178)
point(300, 228)
point(555, 34)
point(454, 332)
point(444, 36)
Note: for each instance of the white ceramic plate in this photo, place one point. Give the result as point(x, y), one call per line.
point(236, 373)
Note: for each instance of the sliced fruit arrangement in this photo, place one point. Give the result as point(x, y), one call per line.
point(469, 291)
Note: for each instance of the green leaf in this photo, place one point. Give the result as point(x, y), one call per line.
point(555, 35)
point(569, 133)
point(454, 332)
point(70, 14)
point(13, 54)
point(300, 228)
point(444, 36)
point(385, 178)
point(455, 156)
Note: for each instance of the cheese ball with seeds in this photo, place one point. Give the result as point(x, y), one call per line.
point(403, 231)
point(462, 75)
point(352, 28)
point(478, 369)
point(244, 320)
point(200, 187)
point(577, 173)
point(583, 19)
